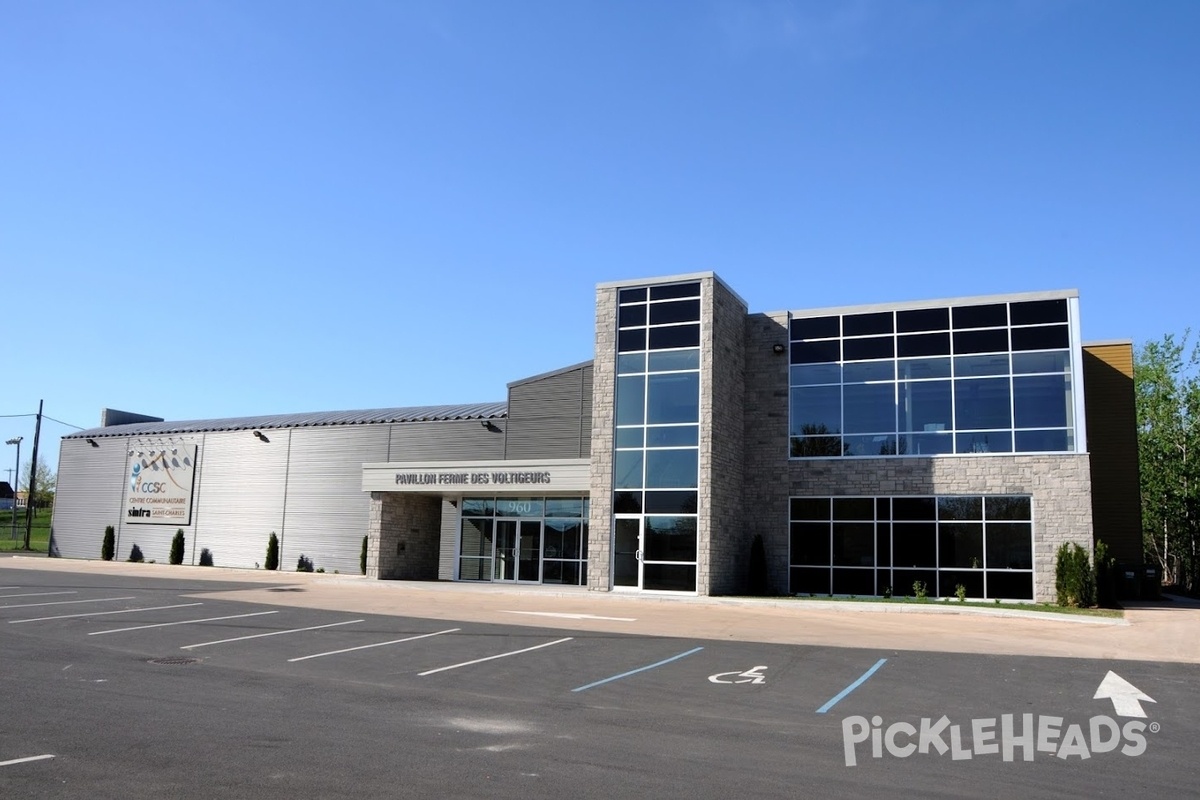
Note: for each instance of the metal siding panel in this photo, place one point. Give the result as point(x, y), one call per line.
point(91, 481)
point(545, 418)
point(239, 497)
point(155, 540)
point(327, 512)
point(450, 440)
point(448, 553)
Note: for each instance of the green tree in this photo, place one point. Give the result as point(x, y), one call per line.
point(1167, 386)
point(177, 547)
point(272, 552)
point(44, 487)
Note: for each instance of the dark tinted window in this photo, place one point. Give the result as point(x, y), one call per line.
point(681, 311)
point(1039, 311)
point(815, 328)
point(631, 295)
point(867, 324)
point(674, 290)
point(629, 316)
point(1047, 337)
point(671, 502)
point(914, 508)
point(810, 508)
point(927, 344)
point(675, 336)
point(863, 349)
point(816, 352)
point(631, 340)
point(990, 316)
point(923, 319)
point(994, 341)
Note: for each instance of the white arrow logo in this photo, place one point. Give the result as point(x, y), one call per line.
point(1126, 697)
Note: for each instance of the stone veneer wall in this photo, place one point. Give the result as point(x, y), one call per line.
point(403, 536)
point(604, 374)
point(722, 538)
point(1060, 485)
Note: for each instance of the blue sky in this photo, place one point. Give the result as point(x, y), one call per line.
point(221, 208)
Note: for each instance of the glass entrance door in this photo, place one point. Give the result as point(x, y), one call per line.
point(518, 550)
point(627, 553)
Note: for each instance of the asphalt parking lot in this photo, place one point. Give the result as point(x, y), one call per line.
point(121, 686)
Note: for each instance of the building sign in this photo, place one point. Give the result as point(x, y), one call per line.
point(496, 477)
point(159, 491)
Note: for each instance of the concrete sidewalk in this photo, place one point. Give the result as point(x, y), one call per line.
point(1149, 632)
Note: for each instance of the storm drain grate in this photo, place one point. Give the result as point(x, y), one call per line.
point(174, 661)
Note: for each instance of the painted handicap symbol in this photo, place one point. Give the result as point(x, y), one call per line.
point(752, 675)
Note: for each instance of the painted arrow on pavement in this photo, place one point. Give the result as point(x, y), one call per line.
point(1126, 698)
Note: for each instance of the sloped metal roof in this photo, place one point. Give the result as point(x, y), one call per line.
point(304, 420)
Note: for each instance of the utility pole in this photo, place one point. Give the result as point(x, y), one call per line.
point(30, 504)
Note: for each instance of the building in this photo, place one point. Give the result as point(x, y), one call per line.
point(874, 449)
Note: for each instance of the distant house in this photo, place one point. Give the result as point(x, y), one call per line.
point(6, 496)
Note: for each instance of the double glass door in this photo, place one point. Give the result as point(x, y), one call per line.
point(518, 550)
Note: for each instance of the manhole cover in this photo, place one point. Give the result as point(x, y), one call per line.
point(174, 661)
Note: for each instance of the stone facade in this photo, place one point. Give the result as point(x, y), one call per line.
point(722, 538)
point(403, 536)
point(604, 376)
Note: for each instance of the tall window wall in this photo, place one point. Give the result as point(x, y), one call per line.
point(991, 378)
point(884, 545)
point(657, 437)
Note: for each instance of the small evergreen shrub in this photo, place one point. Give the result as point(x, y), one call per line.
point(177, 547)
point(135, 554)
point(304, 564)
point(272, 552)
point(1074, 577)
point(362, 558)
point(108, 550)
point(205, 557)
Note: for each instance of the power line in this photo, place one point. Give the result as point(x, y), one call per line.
point(14, 416)
point(60, 422)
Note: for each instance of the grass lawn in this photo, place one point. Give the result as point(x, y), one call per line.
point(39, 537)
point(1046, 607)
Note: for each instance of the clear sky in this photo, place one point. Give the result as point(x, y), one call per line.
point(230, 207)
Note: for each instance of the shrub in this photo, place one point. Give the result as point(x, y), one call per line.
point(205, 557)
point(136, 554)
point(304, 564)
point(108, 550)
point(272, 552)
point(177, 547)
point(362, 558)
point(758, 566)
point(920, 590)
point(960, 592)
point(1074, 577)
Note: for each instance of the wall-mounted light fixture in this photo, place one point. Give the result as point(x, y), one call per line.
point(262, 436)
point(92, 442)
point(487, 424)
point(778, 349)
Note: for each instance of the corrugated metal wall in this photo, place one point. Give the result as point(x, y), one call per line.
point(327, 511)
point(551, 417)
point(238, 500)
point(153, 540)
point(88, 497)
point(305, 484)
point(1113, 448)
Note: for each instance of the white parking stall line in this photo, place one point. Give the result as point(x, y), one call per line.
point(492, 658)
point(377, 644)
point(102, 613)
point(184, 622)
point(70, 602)
point(31, 594)
point(272, 633)
point(10, 762)
point(2, 588)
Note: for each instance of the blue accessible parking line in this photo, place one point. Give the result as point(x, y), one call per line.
point(833, 701)
point(639, 669)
